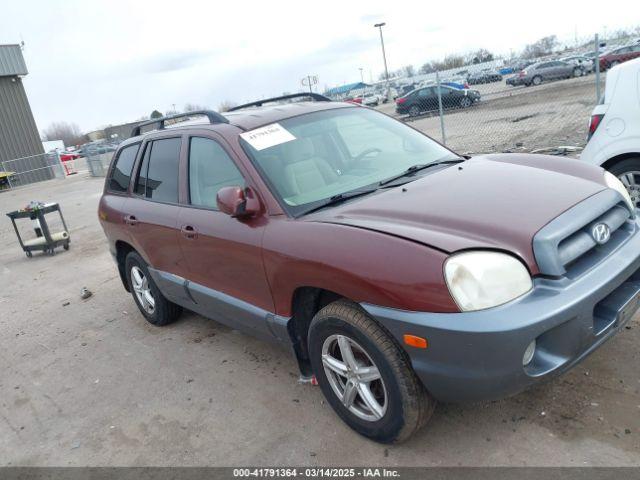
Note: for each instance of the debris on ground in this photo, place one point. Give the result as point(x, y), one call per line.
point(85, 293)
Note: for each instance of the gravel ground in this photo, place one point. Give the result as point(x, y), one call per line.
point(90, 382)
point(516, 118)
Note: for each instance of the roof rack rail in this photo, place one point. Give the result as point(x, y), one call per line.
point(316, 97)
point(214, 117)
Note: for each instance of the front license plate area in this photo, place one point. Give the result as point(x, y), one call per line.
point(617, 308)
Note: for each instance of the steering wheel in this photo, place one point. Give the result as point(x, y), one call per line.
point(358, 158)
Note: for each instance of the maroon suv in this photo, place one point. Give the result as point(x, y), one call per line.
point(396, 271)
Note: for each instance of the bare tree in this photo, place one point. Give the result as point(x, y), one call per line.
point(69, 133)
point(479, 56)
point(542, 47)
point(409, 70)
point(449, 62)
point(225, 105)
point(191, 107)
point(427, 68)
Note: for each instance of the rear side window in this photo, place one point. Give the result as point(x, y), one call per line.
point(121, 173)
point(210, 169)
point(158, 177)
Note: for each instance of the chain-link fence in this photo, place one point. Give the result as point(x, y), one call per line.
point(26, 170)
point(98, 163)
point(537, 102)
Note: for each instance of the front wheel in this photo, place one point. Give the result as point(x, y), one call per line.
point(365, 376)
point(152, 304)
point(628, 172)
point(465, 102)
point(577, 72)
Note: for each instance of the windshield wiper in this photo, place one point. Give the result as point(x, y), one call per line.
point(341, 197)
point(413, 169)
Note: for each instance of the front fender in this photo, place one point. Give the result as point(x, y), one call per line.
point(359, 264)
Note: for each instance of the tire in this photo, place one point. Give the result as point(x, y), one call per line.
point(163, 312)
point(414, 111)
point(577, 72)
point(631, 168)
point(402, 404)
point(465, 102)
point(537, 80)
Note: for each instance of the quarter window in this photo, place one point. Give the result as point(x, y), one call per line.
point(121, 174)
point(158, 177)
point(210, 169)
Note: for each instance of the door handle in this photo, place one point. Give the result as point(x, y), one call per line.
point(130, 220)
point(188, 232)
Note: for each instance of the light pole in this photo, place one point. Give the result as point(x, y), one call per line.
point(362, 82)
point(384, 58)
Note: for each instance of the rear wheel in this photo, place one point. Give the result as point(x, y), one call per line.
point(537, 80)
point(614, 63)
point(152, 304)
point(365, 376)
point(628, 171)
point(414, 111)
point(465, 102)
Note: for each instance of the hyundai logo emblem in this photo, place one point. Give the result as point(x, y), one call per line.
point(600, 233)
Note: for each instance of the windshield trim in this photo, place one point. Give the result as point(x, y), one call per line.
point(292, 211)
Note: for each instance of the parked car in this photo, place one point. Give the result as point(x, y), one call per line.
point(425, 99)
point(397, 272)
point(614, 128)
point(484, 76)
point(540, 72)
point(618, 55)
point(404, 89)
point(371, 99)
point(585, 64)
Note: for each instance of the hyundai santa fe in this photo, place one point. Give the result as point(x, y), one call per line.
point(397, 272)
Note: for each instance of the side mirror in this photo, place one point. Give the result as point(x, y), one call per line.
point(238, 202)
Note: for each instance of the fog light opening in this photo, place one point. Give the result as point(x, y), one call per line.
point(528, 353)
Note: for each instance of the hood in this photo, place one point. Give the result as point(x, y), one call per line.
point(493, 201)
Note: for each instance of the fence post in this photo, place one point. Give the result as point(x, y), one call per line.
point(444, 138)
point(596, 60)
point(59, 165)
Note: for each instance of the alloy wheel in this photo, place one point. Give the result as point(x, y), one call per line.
point(354, 377)
point(631, 181)
point(141, 288)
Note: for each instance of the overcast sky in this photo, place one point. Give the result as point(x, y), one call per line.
point(97, 62)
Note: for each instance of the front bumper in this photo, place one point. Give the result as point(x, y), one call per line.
point(475, 356)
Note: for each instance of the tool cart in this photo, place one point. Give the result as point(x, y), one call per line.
point(45, 240)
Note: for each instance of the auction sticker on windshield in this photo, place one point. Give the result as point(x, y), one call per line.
point(269, 136)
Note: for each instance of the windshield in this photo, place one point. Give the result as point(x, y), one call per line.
point(317, 156)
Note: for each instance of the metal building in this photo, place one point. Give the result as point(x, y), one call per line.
point(20, 146)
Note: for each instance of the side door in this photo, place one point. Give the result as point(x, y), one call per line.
point(151, 212)
point(226, 275)
point(427, 99)
point(450, 96)
point(544, 70)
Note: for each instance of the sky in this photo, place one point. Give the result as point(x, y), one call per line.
point(96, 62)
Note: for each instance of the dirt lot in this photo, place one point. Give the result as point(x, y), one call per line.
point(92, 383)
point(551, 114)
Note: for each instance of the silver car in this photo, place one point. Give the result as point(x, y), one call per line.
point(586, 64)
point(550, 70)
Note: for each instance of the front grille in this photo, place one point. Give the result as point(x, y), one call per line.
point(566, 245)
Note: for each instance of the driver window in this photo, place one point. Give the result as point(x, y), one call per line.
point(210, 169)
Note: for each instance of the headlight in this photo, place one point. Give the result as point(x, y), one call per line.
point(479, 280)
point(612, 182)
